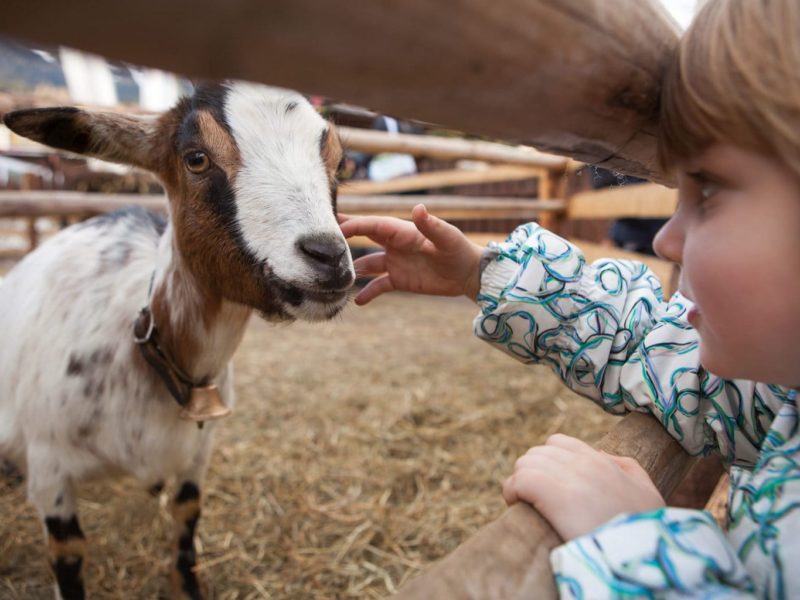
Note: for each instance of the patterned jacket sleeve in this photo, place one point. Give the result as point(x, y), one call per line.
point(668, 553)
point(608, 332)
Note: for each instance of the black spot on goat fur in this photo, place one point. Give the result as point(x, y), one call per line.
point(75, 366)
point(156, 488)
point(211, 97)
point(114, 256)
point(63, 529)
point(136, 217)
point(189, 491)
point(11, 473)
point(187, 558)
point(68, 575)
point(323, 139)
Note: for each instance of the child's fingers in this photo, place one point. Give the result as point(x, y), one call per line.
point(559, 440)
point(378, 229)
point(626, 463)
point(444, 236)
point(538, 453)
point(341, 217)
point(529, 486)
point(370, 264)
point(630, 465)
point(374, 288)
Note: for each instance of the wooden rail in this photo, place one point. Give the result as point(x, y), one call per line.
point(579, 78)
point(66, 204)
point(509, 558)
point(638, 200)
point(32, 205)
point(446, 178)
point(446, 148)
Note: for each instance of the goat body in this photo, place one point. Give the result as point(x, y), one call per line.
point(250, 177)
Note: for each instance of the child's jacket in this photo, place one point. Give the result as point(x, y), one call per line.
point(608, 333)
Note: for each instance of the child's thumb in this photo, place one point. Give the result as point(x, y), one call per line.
point(443, 235)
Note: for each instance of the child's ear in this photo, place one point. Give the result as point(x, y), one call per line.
point(114, 137)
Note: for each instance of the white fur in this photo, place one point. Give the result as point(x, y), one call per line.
point(282, 179)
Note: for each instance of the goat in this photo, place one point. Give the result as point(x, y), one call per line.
point(250, 176)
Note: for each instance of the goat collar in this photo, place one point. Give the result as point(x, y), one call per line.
point(199, 400)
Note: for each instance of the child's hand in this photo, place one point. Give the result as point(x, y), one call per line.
point(577, 488)
point(428, 256)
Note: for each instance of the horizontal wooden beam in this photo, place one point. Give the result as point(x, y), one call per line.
point(447, 148)
point(579, 78)
point(64, 203)
point(634, 200)
point(449, 207)
point(67, 204)
point(509, 558)
point(440, 179)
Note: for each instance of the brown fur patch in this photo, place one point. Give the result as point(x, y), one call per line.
point(74, 547)
point(210, 251)
point(182, 512)
point(332, 152)
point(217, 141)
point(123, 138)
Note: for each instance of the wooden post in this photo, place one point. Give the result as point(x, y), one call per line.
point(574, 77)
point(550, 220)
point(509, 558)
point(33, 234)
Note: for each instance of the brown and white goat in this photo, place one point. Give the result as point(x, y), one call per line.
point(250, 174)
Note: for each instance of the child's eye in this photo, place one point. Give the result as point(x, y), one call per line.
point(708, 189)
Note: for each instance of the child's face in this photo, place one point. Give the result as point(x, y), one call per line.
point(736, 234)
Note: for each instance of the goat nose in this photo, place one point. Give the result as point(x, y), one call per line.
point(324, 249)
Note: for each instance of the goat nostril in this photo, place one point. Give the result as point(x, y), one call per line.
point(322, 250)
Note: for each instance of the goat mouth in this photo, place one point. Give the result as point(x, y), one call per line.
point(295, 295)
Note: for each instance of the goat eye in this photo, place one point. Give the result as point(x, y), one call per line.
point(197, 162)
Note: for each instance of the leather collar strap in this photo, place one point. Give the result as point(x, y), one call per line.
point(146, 337)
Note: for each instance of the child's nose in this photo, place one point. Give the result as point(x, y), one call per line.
point(668, 242)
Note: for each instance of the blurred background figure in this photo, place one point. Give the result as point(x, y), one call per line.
point(635, 235)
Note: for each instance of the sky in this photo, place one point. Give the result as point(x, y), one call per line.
point(682, 10)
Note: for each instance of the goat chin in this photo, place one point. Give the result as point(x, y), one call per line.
point(310, 310)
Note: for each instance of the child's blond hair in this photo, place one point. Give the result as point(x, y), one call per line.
point(735, 79)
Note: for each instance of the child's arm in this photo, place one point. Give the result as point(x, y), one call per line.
point(429, 256)
point(607, 331)
point(621, 540)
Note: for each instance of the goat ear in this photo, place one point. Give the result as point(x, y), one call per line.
point(118, 138)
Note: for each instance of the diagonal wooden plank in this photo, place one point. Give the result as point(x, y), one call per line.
point(509, 558)
point(574, 77)
point(440, 179)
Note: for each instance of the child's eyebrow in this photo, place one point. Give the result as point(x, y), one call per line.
point(704, 176)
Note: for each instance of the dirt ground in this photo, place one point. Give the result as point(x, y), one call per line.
point(360, 451)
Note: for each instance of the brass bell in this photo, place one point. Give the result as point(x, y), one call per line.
point(205, 404)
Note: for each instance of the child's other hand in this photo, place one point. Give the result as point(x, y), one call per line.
point(428, 256)
point(577, 488)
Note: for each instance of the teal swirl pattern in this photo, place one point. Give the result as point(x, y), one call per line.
point(607, 331)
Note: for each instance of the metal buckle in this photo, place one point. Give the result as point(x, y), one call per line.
point(150, 327)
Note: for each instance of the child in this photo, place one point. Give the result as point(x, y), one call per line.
point(731, 131)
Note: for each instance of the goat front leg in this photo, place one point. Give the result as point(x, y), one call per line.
point(53, 495)
point(185, 507)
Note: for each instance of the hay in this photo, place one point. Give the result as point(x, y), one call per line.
point(360, 451)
